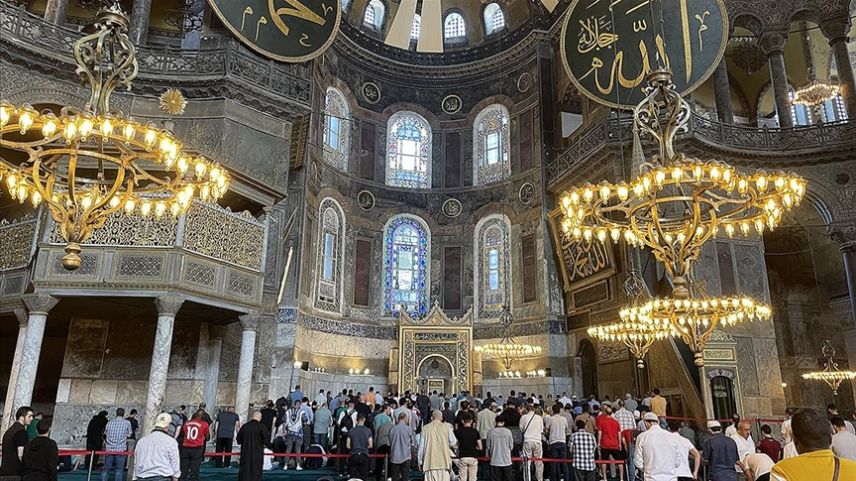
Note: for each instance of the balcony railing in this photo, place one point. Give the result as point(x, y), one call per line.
point(31, 32)
point(763, 142)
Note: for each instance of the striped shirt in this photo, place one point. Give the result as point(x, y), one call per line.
point(116, 434)
point(625, 419)
point(582, 446)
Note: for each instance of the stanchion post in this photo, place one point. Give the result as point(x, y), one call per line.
point(91, 462)
point(385, 467)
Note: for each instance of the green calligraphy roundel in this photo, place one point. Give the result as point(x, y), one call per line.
point(609, 46)
point(284, 30)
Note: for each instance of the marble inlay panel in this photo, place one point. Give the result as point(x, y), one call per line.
point(178, 392)
point(131, 392)
point(79, 391)
point(746, 365)
point(767, 363)
point(185, 344)
point(128, 353)
point(226, 394)
point(69, 421)
point(84, 348)
point(751, 270)
point(103, 392)
point(230, 354)
point(341, 345)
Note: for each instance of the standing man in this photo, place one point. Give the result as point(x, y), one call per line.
point(95, 436)
point(435, 454)
point(498, 447)
point(359, 443)
point(787, 432)
point(116, 435)
point(321, 425)
point(401, 442)
point(295, 419)
point(225, 426)
point(381, 441)
point(720, 454)
point(609, 441)
point(556, 426)
point(156, 454)
point(659, 404)
point(41, 455)
point(657, 453)
point(296, 395)
point(135, 427)
point(32, 432)
point(769, 445)
point(625, 418)
point(469, 447)
point(815, 461)
point(687, 449)
point(14, 441)
point(745, 446)
point(253, 438)
point(532, 427)
point(269, 415)
point(196, 434)
point(582, 447)
point(843, 441)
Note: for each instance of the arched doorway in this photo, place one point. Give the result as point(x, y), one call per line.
point(588, 356)
point(435, 374)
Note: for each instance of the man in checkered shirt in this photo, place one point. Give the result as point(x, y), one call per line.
point(116, 435)
point(582, 447)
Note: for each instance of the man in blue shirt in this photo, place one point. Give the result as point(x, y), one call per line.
point(116, 435)
point(296, 395)
point(720, 454)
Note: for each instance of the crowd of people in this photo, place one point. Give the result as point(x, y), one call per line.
point(443, 436)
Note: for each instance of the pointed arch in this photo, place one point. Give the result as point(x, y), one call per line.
point(337, 131)
point(494, 19)
point(491, 145)
point(492, 266)
point(408, 152)
point(330, 253)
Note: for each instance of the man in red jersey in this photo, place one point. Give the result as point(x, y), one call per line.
point(196, 433)
point(608, 432)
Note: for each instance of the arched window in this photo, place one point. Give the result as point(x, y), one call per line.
point(492, 266)
point(491, 145)
point(454, 28)
point(834, 110)
point(375, 12)
point(407, 254)
point(414, 29)
point(494, 19)
point(408, 151)
point(337, 138)
point(328, 269)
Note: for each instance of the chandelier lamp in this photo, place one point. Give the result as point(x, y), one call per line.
point(636, 332)
point(831, 374)
point(815, 93)
point(677, 203)
point(89, 164)
point(507, 351)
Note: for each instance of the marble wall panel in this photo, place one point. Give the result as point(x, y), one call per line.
point(751, 270)
point(180, 392)
point(264, 349)
point(334, 344)
point(230, 354)
point(103, 392)
point(85, 348)
point(746, 366)
point(131, 392)
point(124, 359)
point(767, 363)
point(70, 421)
point(226, 393)
point(79, 391)
point(260, 392)
point(185, 344)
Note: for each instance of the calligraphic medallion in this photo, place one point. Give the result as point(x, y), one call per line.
point(609, 47)
point(285, 30)
point(371, 92)
point(452, 104)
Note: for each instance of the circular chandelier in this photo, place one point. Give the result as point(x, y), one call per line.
point(677, 203)
point(694, 319)
point(831, 374)
point(815, 93)
point(88, 164)
point(635, 332)
point(507, 351)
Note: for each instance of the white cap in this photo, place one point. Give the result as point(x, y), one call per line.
point(163, 420)
point(714, 424)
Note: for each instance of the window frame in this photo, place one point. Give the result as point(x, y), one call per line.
point(329, 293)
point(456, 40)
point(421, 267)
point(396, 175)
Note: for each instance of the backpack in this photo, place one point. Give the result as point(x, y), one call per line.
point(347, 422)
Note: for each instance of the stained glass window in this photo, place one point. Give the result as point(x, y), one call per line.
point(491, 144)
point(408, 151)
point(407, 251)
point(336, 129)
point(374, 14)
point(331, 230)
point(494, 19)
point(454, 27)
point(493, 266)
point(834, 110)
point(414, 28)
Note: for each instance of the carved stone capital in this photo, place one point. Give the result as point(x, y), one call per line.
point(39, 303)
point(23, 319)
point(168, 305)
point(216, 331)
point(773, 42)
point(250, 321)
point(845, 235)
point(837, 28)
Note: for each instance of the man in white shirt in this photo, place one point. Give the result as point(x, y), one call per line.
point(565, 400)
point(744, 441)
point(843, 442)
point(532, 426)
point(787, 433)
point(156, 454)
point(687, 449)
point(657, 452)
point(757, 465)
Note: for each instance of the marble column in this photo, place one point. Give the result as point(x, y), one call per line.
point(9, 407)
point(836, 31)
point(38, 306)
point(722, 93)
point(846, 238)
point(55, 11)
point(212, 373)
point(140, 13)
point(773, 45)
point(249, 323)
point(168, 307)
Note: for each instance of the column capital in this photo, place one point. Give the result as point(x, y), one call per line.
point(39, 303)
point(169, 304)
point(845, 236)
point(21, 314)
point(836, 28)
point(250, 321)
point(773, 42)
